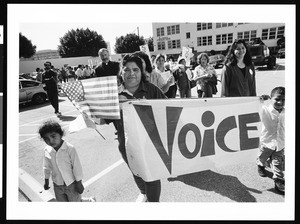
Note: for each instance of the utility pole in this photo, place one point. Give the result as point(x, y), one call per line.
point(138, 32)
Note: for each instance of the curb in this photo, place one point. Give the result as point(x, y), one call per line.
point(33, 190)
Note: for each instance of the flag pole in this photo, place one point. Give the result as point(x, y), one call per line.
point(81, 112)
point(100, 134)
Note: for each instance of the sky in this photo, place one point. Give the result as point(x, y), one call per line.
point(46, 35)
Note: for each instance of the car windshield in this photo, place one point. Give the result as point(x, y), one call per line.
point(255, 51)
point(26, 84)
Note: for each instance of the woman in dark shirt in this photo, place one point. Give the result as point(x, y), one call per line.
point(238, 74)
point(136, 86)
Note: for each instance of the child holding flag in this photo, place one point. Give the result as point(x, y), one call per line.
point(272, 141)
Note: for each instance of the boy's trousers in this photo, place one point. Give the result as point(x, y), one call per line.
point(276, 159)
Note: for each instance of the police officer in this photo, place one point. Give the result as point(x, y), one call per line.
point(50, 85)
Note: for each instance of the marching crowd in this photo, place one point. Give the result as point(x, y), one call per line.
point(161, 78)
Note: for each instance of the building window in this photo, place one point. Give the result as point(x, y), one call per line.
point(188, 35)
point(160, 31)
point(199, 25)
point(204, 41)
point(240, 35)
point(172, 44)
point(272, 34)
point(230, 38)
point(219, 25)
point(173, 29)
point(209, 40)
point(224, 38)
point(204, 26)
point(168, 30)
point(199, 41)
point(280, 32)
point(218, 39)
point(264, 34)
point(177, 29)
point(161, 45)
point(246, 36)
point(253, 34)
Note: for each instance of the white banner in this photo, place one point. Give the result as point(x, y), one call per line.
point(166, 76)
point(174, 137)
point(187, 54)
point(145, 49)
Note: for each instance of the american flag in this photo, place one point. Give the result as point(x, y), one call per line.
point(96, 97)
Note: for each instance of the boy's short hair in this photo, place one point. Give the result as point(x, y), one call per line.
point(50, 126)
point(278, 90)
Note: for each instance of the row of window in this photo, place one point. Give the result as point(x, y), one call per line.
point(175, 29)
point(272, 33)
point(170, 30)
point(172, 44)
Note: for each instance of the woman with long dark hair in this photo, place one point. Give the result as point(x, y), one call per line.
point(238, 74)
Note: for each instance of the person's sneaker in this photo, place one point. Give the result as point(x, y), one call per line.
point(141, 198)
point(261, 171)
point(279, 186)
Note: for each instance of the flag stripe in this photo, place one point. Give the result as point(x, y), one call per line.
point(97, 97)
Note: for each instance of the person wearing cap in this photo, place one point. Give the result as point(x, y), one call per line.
point(49, 80)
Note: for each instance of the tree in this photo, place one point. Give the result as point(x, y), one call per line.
point(129, 43)
point(80, 42)
point(26, 49)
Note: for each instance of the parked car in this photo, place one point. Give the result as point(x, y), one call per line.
point(26, 76)
point(31, 91)
point(281, 53)
point(261, 54)
point(217, 60)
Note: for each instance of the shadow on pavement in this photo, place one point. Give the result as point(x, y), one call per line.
point(67, 118)
point(225, 185)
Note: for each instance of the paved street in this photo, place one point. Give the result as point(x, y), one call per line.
point(108, 178)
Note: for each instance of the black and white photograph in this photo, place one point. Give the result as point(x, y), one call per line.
point(150, 112)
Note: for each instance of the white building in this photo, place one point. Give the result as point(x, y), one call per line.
point(169, 38)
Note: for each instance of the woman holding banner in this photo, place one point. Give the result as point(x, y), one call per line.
point(238, 74)
point(160, 68)
point(136, 86)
